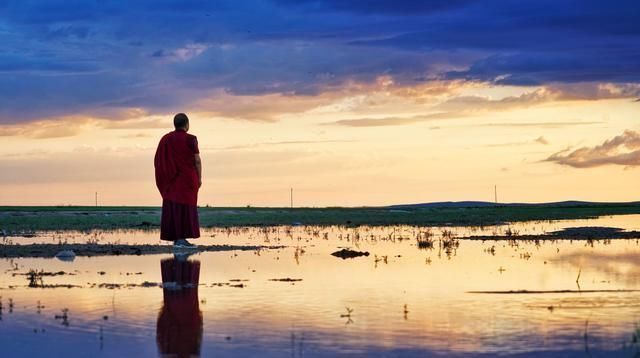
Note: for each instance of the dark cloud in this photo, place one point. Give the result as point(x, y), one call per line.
point(405, 7)
point(621, 150)
point(571, 66)
point(62, 57)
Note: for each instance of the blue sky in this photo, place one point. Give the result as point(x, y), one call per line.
point(100, 57)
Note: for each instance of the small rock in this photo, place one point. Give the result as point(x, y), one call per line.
point(349, 254)
point(66, 255)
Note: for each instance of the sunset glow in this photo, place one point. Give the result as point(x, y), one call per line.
point(358, 104)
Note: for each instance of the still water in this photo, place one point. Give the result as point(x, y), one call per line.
point(301, 301)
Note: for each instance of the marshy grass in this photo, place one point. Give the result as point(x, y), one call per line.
point(448, 243)
point(424, 240)
point(35, 278)
point(20, 221)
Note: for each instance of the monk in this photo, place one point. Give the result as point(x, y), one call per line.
point(178, 177)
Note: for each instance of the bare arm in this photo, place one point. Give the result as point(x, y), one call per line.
point(199, 169)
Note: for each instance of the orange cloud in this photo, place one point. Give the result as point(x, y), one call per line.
point(380, 103)
point(620, 150)
point(53, 128)
point(361, 97)
point(72, 126)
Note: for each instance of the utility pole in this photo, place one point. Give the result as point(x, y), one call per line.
point(96, 199)
point(291, 196)
point(495, 192)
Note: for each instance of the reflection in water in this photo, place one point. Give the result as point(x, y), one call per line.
point(179, 329)
point(412, 296)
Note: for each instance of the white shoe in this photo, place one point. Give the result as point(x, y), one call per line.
point(184, 244)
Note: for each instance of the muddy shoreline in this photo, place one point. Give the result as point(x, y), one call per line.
point(573, 233)
point(90, 250)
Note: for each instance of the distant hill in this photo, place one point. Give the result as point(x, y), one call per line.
point(481, 204)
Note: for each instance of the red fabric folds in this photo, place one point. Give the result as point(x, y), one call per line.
point(177, 181)
point(179, 221)
point(175, 166)
point(179, 328)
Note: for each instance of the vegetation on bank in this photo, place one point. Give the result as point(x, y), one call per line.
point(16, 219)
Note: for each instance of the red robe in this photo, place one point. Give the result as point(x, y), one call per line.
point(179, 328)
point(178, 183)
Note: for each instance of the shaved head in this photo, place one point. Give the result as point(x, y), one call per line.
point(180, 120)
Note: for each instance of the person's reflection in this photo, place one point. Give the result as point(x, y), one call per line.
point(179, 330)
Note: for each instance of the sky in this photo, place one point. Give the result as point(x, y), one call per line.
point(347, 102)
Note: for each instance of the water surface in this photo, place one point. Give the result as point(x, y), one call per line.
point(398, 301)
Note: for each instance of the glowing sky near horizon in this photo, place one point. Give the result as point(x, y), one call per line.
point(350, 103)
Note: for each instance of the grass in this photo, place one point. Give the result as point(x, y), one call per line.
point(424, 240)
point(25, 219)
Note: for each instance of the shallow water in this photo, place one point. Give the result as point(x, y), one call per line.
point(398, 301)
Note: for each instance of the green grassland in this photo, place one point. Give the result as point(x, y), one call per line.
point(16, 218)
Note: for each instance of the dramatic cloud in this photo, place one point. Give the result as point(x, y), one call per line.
point(588, 91)
point(101, 59)
point(265, 108)
point(477, 103)
point(72, 126)
point(621, 150)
